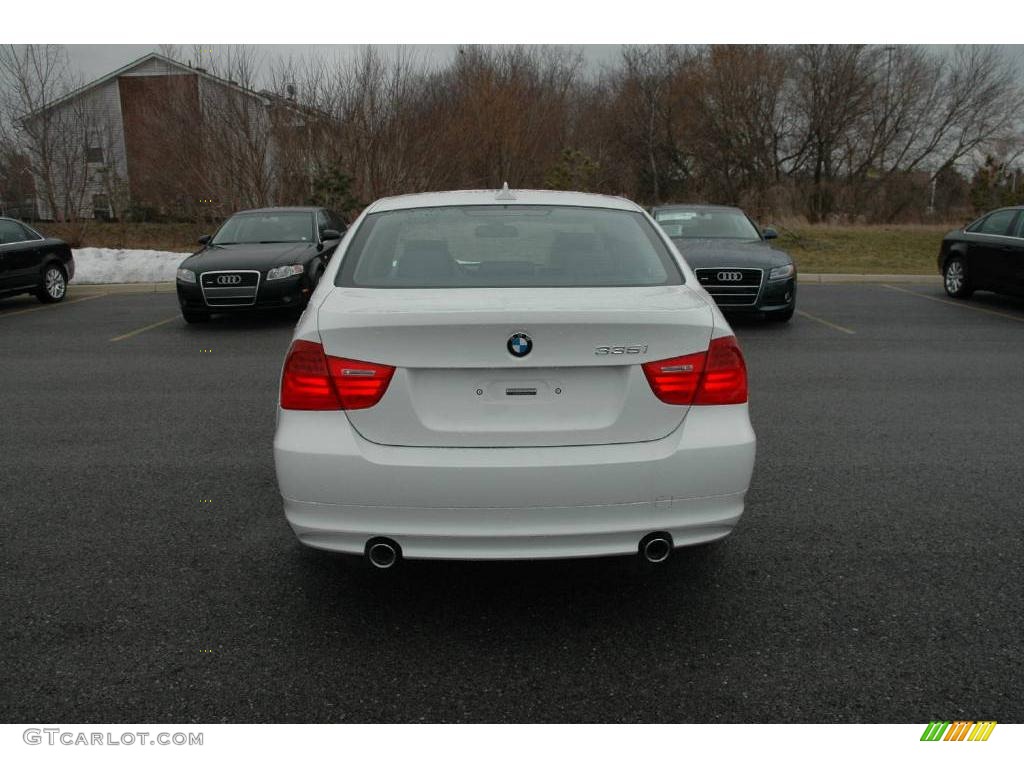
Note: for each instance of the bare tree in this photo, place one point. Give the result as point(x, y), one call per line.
point(831, 93)
point(647, 103)
point(738, 124)
point(849, 130)
point(54, 135)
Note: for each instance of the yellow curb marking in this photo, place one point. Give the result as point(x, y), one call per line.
point(52, 306)
point(145, 328)
point(833, 326)
point(962, 304)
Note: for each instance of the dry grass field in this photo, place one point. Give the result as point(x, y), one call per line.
point(114, 234)
point(903, 250)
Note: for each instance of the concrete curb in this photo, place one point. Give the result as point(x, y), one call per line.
point(122, 287)
point(827, 278)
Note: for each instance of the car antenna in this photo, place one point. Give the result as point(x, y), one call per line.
point(505, 193)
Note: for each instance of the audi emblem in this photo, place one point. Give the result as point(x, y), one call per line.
point(229, 279)
point(729, 277)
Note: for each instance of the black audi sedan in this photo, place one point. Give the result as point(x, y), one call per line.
point(987, 254)
point(32, 263)
point(732, 258)
point(267, 258)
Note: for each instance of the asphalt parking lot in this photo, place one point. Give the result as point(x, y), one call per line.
point(149, 574)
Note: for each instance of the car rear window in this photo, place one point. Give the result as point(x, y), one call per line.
point(497, 246)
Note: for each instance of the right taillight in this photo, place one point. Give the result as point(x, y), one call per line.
point(725, 374)
point(315, 381)
point(715, 377)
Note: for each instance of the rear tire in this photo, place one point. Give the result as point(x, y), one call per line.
point(195, 317)
point(54, 286)
point(782, 315)
point(956, 279)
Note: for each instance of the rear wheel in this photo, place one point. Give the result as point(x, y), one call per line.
point(195, 317)
point(956, 279)
point(54, 286)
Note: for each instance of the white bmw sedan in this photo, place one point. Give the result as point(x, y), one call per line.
point(502, 375)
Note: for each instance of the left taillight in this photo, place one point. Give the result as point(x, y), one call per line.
point(315, 381)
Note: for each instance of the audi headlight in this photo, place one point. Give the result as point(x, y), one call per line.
point(279, 272)
point(186, 275)
point(778, 273)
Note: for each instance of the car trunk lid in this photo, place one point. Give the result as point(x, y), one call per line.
point(457, 384)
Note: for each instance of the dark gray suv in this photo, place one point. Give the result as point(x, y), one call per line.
point(732, 258)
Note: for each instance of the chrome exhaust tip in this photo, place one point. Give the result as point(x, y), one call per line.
point(382, 553)
point(656, 547)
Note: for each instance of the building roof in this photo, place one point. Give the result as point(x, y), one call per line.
point(496, 197)
point(171, 63)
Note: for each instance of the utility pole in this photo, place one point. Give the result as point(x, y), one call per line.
point(885, 108)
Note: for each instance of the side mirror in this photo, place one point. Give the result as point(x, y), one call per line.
point(330, 234)
point(769, 234)
point(205, 239)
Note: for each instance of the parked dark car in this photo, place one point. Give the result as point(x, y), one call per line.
point(732, 258)
point(987, 254)
point(269, 258)
point(32, 263)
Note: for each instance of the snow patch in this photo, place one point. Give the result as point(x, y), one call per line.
point(114, 265)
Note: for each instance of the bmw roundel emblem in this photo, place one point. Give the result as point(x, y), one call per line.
point(519, 344)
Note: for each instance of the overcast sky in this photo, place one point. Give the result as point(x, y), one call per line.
point(93, 61)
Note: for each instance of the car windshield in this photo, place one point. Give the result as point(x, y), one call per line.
point(706, 224)
point(276, 227)
point(507, 246)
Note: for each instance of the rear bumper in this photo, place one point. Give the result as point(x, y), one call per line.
point(507, 503)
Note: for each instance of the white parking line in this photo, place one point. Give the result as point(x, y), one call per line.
point(962, 304)
point(833, 326)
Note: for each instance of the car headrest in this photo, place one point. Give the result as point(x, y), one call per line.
point(424, 259)
point(574, 243)
point(506, 269)
point(574, 252)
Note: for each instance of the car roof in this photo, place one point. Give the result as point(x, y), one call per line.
point(696, 206)
point(502, 197)
point(282, 209)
